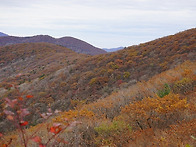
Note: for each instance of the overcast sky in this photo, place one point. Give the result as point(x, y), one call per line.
point(102, 23)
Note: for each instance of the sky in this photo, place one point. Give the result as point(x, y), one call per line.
point(102, 23)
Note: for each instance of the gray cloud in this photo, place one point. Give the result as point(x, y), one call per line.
point(105, 23)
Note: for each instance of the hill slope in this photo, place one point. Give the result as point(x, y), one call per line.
point(34, 59)
point(136, 116)
point(94, 77)
point(156, 112)
point(69, 42)
point(97, 76)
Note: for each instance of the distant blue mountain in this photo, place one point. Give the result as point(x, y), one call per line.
point(113, 49)
point(2, 34)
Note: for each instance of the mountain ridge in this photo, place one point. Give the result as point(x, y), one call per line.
point(129, 65)
point(113, 49)
point(3, 34)
point(74, 44)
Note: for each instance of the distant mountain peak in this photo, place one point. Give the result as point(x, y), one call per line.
point(3, 34)
point(113, 49)
point(72, 43)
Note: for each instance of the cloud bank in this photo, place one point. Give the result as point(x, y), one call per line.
point(103, 23)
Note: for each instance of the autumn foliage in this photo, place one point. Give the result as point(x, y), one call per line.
point(16, 113)
point(143, 95)
point(157, 112)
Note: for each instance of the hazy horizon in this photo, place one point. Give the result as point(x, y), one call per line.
point(104, 24)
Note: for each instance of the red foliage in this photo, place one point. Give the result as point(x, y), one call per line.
point(20, 98)
point(23, 123)
point(11, 103)
point(55, 129)
point(37, 139)
point(29, 96)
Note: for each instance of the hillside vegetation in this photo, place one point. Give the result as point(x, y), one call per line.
point(32, 60)
point(140, 115)
point(143, 95)
point(98, 76)
point(158, 112)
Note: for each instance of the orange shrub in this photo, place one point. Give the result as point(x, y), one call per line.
point(156, 112)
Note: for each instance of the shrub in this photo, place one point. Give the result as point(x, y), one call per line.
point(42, 76)
point(126, 75)
point(163, 92)
point(92, 81)
point(156, 112)
point(16, 114)
point(184, 86)
point(111, 133)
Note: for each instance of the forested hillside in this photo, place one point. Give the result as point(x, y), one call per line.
point(141, 95)
point(32, 60)
point(98, 76)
